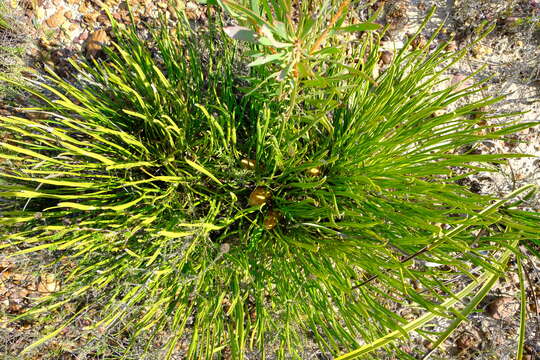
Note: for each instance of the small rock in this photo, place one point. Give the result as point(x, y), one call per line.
point(461, 81)
point(48, 284)
point(39, 13)
point(103, 19)
point(95, 42)
point(91, 17)
point(466, 341)
point(502, 308)
point(83, 8)
point(481, 50)
point(56, 19)
point(451, 46)
point(418, 42)
point(123, 6)
point(386, 57)
point(83, 36)
point(225, 248)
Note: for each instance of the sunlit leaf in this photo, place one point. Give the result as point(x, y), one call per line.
point(241, 33)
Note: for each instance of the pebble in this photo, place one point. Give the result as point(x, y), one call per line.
point(83, 36)
point(192, 11)
point(83, 8)
point(103, 19)
point(95, 42)
point(90, 18)
point(123, 6)
point(173, 12)
point(386, 57)
point(502, 308)
point(39, 12)
point(451, 46)
point(418, 42)
point(480, 51)
point(56, 19)
point(460, 81)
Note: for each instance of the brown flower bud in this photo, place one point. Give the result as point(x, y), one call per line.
point(314, 171)
point(248, 164)
point(259, 196)
point(271, 220)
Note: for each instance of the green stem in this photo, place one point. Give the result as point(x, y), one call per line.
point(289, 110)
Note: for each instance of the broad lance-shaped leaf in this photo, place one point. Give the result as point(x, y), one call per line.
point(241, 33)
point(273, 43)
point(269, 40)
point(265, 59)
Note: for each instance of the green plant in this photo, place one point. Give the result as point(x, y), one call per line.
point(248, 210)
point(13, 45)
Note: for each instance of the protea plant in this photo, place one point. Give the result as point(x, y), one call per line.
point(245, 209)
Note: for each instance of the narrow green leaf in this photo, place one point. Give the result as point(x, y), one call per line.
point(360, 27)
point(202, 170)
point(522, 310)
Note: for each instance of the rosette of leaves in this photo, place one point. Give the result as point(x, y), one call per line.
point(186, 193)
point(291, 34)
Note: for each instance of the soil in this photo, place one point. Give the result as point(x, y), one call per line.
point(508, 56)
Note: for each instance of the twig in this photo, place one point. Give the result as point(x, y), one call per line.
point(333, 21)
